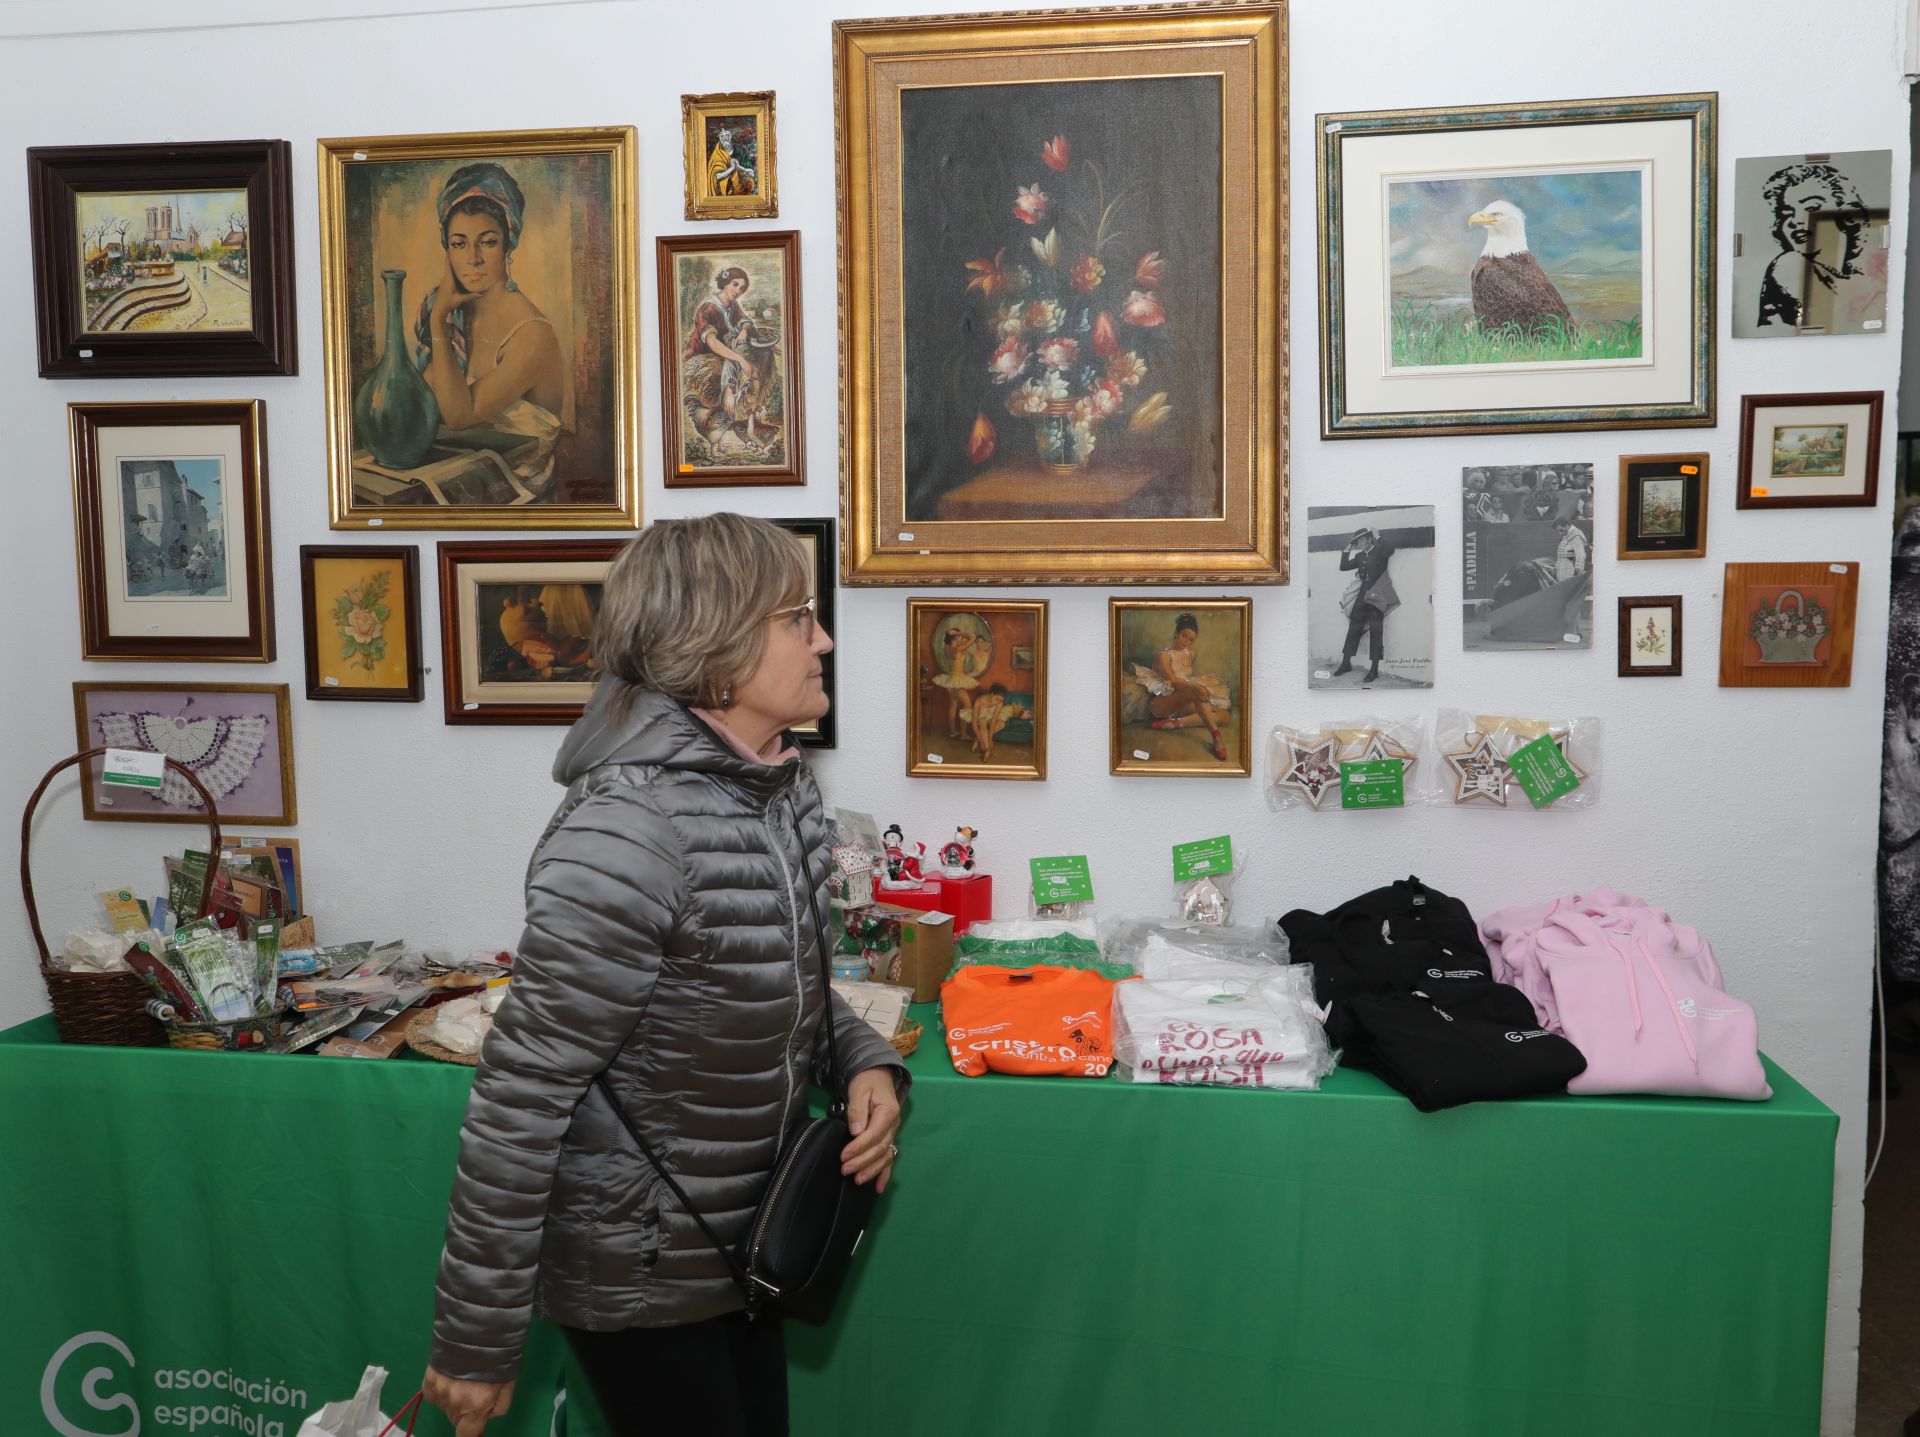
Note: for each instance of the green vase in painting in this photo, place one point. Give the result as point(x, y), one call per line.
point(395, 414)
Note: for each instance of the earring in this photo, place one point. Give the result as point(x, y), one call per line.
point(726, 697)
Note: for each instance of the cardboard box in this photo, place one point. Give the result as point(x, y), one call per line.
point(926, 953)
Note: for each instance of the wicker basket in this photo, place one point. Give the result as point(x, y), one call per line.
point(907, 1039)
point(107, 1008)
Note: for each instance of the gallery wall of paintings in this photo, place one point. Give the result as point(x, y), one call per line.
point(1301, 370)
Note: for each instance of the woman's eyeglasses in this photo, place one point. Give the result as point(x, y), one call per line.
point(801, 615)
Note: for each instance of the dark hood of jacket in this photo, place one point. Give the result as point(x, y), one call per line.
point(662, 732)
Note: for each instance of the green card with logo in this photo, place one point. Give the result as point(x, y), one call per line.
point(1373, 783)
point(1202, 857)
point(1542, 771)
point(1066, 879)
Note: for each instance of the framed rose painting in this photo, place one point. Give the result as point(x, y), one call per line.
point(1063, 266)
point(360, 615)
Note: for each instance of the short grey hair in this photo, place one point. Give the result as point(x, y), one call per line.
point(685, 605)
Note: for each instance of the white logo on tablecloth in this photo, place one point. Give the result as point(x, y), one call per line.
point(89, 1387)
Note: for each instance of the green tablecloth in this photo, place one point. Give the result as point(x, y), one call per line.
point(1058, 1255)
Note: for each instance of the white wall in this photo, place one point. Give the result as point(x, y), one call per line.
point(1751, 813)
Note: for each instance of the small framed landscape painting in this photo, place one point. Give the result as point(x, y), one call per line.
point(163, 260)
point(1505, 268)
point(477, 292)
point(1650, 637)
point(170, 510)
point(730, 387)
point(1663, 506)
point(1788, 625)
point(360, 616)
point(817, 536)
point(516, 628)
point(1179, 671)
point(1810, 451)
point(976, 689)
point(729, 145)
point(237, 739)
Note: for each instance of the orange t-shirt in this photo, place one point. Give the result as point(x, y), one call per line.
point(1028, 1020)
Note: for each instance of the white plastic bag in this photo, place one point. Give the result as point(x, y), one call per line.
point(359, 1415)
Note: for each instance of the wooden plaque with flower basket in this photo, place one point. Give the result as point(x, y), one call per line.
point(1788, 625)
point(105, 1008)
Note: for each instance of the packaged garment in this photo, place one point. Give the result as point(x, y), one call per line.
point(1226, 1024)
point(1640, 995)
point(1024, 942)
point(1410, 995)
point(1040, 1020)
point(1161, 947)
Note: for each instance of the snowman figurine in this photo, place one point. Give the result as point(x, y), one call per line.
point(901, 868)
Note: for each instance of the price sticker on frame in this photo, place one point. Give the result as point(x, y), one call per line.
point(1066, 879)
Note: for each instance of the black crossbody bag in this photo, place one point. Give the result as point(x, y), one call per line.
point(797, 1250)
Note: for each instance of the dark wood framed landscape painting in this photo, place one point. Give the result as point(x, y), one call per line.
point(163, 260)
point(478, 302)
point(1505, 268)
point(1063, 257)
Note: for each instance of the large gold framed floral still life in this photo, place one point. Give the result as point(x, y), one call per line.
point(1063, 277)
point(478, 304)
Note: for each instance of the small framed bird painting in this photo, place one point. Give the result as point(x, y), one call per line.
point(1517, 267)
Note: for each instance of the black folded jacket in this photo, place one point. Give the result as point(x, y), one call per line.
point(1411, 996)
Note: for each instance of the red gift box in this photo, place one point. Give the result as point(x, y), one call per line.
point(969, 899)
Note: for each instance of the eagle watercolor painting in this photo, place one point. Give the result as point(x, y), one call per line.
point(1517, 268)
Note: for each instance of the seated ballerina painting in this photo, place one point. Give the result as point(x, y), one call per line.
point(1179, 698)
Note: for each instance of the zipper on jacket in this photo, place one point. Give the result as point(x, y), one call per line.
point(799, 991)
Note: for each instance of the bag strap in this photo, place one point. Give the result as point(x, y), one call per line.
point(735, 1270)
point(838, 1092)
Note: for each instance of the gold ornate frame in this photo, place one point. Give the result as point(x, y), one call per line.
point(874, 61)
point(617, 141)
point(702, 205)
point(919, 765)
point(1240, 763)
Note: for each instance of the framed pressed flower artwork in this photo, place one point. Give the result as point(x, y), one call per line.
point(170, 508)
point(516, 627)
point(360, 615)
point(1650, 635)
point(730, 386)
point(1788, 626)
point(1063, 268)
point(976, 689)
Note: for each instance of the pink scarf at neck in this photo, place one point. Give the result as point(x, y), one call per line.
point(776, 752)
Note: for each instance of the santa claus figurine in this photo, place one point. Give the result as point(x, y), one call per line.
point(901, 868)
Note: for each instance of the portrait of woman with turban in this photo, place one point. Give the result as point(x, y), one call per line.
point(485, 284)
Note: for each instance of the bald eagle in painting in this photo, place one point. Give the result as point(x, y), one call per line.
point(1509, 287)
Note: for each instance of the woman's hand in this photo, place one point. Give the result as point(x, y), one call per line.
point(470, 1406)
point(873, 1115)
point(448, 296)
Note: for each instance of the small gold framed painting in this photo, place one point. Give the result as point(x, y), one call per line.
point(729, 144)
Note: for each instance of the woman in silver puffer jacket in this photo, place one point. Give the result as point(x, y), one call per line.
point(672, 923)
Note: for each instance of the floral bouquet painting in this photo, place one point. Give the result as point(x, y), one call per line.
point(1074, 311)
point(360, 615)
